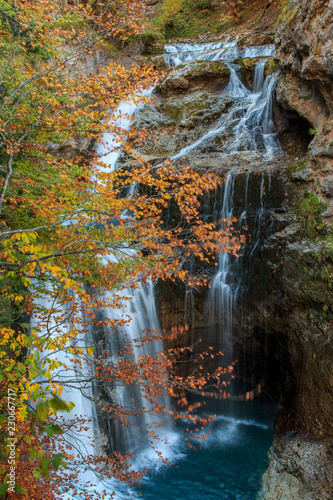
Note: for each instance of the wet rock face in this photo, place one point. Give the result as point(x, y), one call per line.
point(297, 319)
point(178, 119)
point(304, 43)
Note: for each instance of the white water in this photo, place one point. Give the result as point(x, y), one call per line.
point(256, 130)
point(109, 149)
point(223, 291)
point(249, 121)
point(138, 305)
point(217, 51)
point(76, 382)
point(250, 118)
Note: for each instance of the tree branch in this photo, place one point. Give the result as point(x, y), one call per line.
point(6, 180)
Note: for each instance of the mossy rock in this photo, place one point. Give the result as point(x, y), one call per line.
point(183, 110)
point(201, 69)
point(247, 67)
point(195, 72)
point(159, 63)
point(153, 43)
point(270, 67)
point(247, 64)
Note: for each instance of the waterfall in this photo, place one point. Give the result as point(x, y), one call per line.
point(109, 148)
point(139, 306)
point(259, 77)
point(250, 126)
point(223, 291)
point(249, 121)
point(256, 129)
point(251, 114)
point(73, 374)
point(235, 88)
point(216, 51)
point(258, 219)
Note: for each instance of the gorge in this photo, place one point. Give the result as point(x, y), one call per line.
point(166, 249)
point(287, 300)
point(208, 117)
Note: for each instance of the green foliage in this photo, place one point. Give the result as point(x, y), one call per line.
point(205, 15)
point(291, 15)
point(58, 461)
point(311, 208)
point(11, 311)
point(324, 267)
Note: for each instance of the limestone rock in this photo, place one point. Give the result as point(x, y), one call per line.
point(298, 470)
point(304, 42)
point(303, 175)
point(329, 186)
point(185, 75)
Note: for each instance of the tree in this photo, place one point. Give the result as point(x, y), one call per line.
point(62, 217)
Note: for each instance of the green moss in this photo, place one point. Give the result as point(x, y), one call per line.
point(324, 269)
point(311, 209)
point(291, 15)
point(154, 42)
point(270, 67)
point(112, 49)
point(247, 63)
point(180, 109)
point(317, 50)
point(206, 16)
point(297, 166)
point(313, 131)
point(286, 15)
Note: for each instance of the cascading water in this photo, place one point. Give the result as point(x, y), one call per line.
point(222, 295)
point(138, 304)
point(74, 377)
point(250, 127)
point(249, 123)
point(216, 51)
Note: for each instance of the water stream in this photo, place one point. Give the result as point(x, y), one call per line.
point(233, 457)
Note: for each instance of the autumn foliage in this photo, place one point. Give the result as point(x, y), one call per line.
point(64, 237)
point(234, 4)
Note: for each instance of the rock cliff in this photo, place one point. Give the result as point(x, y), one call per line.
point(300, 319)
